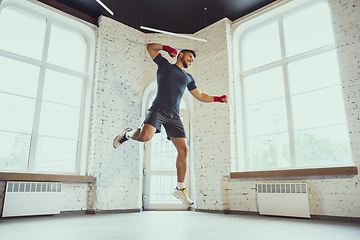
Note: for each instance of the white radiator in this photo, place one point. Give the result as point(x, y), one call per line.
point(31, 198)
point(283, 199)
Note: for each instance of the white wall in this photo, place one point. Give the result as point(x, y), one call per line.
point(333, 195)
point(119, 82)
point(212, 121)
point(124, 69)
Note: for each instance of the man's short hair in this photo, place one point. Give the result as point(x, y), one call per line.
point(185, 51)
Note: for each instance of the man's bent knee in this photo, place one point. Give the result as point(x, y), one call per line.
point(146, 133)
point(144, 138)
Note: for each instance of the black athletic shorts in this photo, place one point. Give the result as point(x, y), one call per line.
point(171, 122)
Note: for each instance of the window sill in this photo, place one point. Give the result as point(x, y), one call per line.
point(45, 177)
point(297, 172)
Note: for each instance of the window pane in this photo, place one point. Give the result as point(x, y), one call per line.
point(323, 146)
point(56, 155)
point(261, 46)
point(161, 189)
point(18, 77)
point(316, 101)
point(270, 151)
point(67, 48)
point(14, 151)
point(308, 29)
point(17, 113)
point(266, 85)
point(59, 121)
point(265, 118)
point(63, 88)
point(318, 108)
point(22, 32)
point(313, 73)
point(163, 152)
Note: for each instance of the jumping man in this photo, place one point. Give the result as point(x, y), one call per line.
point(171, 83)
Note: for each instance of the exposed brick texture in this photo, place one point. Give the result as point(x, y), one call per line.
point(117, 104)
point(124, 69)
point(211, 121)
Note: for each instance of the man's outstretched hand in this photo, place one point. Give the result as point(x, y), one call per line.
point(222, 99)
point(172, 52)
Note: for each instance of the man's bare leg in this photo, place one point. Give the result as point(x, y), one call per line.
point(143, 134)
point(180, 145)
point(180, 191)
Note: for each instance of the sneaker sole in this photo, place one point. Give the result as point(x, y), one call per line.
point(116, 140)
point(182, 200)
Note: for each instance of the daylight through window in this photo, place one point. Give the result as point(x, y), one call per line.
point(293, 106)
point(42, 71)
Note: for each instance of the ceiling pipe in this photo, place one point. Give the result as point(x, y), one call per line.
point(104, 6)
point(173, 34)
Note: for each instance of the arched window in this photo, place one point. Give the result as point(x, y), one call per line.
point(45, 80)
point(292, 107)
point(160, 176)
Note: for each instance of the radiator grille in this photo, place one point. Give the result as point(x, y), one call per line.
point(282, 188)
point(33, 187)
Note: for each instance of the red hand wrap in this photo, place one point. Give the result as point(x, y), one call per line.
point(169, 49)
point(220, 99)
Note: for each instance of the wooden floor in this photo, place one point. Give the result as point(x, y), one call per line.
point(169, 225)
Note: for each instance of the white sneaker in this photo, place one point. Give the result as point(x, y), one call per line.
point(121, 138)
point(182, 195)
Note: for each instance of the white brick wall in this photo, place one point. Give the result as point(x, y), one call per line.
point(346, 18)
point(116, 75)
point(2, 194)
point(211, 121)
point(119, 82)
point(124, 69)
point(75, 196)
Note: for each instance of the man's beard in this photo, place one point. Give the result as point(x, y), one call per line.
point(184, 63)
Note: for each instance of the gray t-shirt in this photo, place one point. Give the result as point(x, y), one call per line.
point(171, 82)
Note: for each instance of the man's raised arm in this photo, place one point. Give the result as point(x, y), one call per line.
point(154, 48)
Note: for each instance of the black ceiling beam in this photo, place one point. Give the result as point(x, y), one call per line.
point(71, 11)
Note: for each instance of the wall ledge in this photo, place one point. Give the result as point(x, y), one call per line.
point(350, 170)
point(45, 177)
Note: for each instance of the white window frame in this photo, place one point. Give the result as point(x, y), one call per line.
point(243, 27)
point(88, 31)
point(148, 93)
